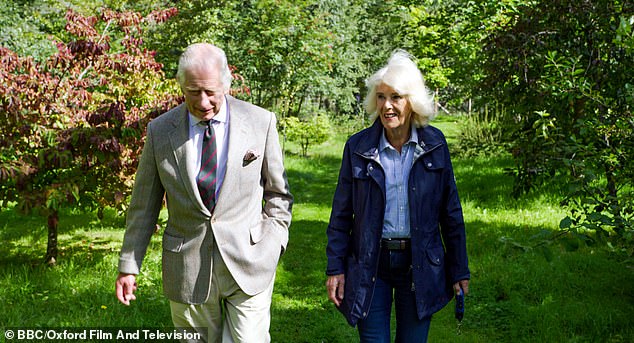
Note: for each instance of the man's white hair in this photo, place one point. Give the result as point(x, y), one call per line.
point(205, 55)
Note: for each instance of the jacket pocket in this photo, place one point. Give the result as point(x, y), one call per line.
point(259, 231)
point(172, 243)
point(436, 258)
point(436, 279)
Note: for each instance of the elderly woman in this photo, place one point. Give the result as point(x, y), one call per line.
point(396, 229)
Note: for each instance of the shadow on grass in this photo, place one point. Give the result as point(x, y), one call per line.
point(539, 283)
point(23, 237)
point(301, 273)
point(13, 223)
point(301, 311)
point(484, 181)
point(297, 325)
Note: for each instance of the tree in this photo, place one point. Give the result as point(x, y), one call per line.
point(292, 53)
point(446, 37)
point(26, 27)
point(73, 125)
point(563, 71)
point(308, 132)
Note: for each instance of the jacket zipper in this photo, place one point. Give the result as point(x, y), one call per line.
point(416, 158)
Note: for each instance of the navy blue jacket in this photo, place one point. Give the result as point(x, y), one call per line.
point(439, 253)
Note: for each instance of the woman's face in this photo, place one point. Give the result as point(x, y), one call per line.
point(394, 110)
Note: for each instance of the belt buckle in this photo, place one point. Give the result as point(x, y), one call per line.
point(395, 244)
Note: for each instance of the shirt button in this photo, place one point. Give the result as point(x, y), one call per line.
point(373, 279)
point(429, 165)
point(365, 314)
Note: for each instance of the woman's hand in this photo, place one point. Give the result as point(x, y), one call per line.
point(335, 285)
point(462, 284)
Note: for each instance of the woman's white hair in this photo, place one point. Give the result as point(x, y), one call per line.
point(204, 55)
point(402, 74)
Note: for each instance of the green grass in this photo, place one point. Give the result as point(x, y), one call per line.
point(523, 288)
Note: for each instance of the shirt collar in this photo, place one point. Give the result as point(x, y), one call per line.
point(384, 143)
point(220, 117)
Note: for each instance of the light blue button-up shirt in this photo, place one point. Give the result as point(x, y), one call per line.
point(397, 167)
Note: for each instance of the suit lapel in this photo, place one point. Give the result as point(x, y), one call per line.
point(185, 154)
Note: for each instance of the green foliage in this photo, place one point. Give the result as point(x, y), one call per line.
point(309, 132)
point(562, 70)
point(20, 32)
point(446, 36)
point(284, 50)
point(290, 52)
point(482, 133)
point(30, 28)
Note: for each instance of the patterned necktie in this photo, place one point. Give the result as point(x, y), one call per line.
point(208, 166)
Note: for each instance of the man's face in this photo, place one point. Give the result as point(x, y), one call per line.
point(204, 92)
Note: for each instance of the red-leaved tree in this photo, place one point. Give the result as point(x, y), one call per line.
point(72, 127)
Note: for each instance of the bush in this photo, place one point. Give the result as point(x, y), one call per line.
point(481, 133)
point(306, 133)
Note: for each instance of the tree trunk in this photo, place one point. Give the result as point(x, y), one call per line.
point(51, 247)
point(611, 181)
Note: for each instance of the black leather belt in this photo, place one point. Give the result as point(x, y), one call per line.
point(395, 244)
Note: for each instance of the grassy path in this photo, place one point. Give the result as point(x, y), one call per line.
point(523, 288)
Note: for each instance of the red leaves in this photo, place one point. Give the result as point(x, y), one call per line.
point(242, 88)
point(161, 16)
point(87, 48)
point(79, 117)
point(112, 113)
point(80, 26)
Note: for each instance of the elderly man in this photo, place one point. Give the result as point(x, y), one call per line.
point(218, 163)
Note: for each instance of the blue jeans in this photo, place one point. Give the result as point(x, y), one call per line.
point(394, 281)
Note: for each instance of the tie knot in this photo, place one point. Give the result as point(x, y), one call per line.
point(208, 127)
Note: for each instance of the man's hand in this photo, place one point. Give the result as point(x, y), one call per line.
point(125, 287)
point(335, 285)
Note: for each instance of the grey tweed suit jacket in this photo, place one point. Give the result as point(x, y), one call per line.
point(251, 219)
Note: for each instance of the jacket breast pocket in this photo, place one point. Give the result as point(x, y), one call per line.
point(361, 172)
point(433, 162)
